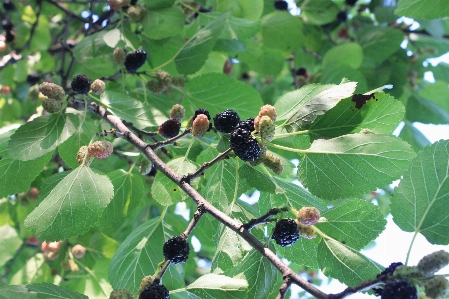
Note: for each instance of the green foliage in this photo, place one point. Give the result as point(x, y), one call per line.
point(329, 82)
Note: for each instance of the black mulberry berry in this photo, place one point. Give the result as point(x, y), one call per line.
point(302, 71)
point(8, 5)
point(81, 84)
point(244, 145)
point(399, 288)
point(170, 128)
point(390, 269)
point(176, 250)
point(285, 232)
point(9, 37)
point(7, 25)
point(135, 60)
point(226, 121)
point(351, 2)
point(280, 5)
point(246, 124)
point(342, 16)
point(33, 79)
point(155, 291)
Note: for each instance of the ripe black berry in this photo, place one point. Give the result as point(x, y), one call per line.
point(81, 84)
point(135, 60)
point(155, 291)
point(246, 124)
point(302, 71)
point(170, 128)
point(342, 16)
point(390, 269)
point(9, 37)
point(33, 79)
point(244, 145)
point(351, 2)
point(280, 5)
point(176, 250)
point(226, 121)
point(8, 5)
point(285, 232)
point(399, 288)
point(7, 25)
point(133, 2)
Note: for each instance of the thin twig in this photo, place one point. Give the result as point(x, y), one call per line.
point(170, 141)
point(137, 130)
point(363, 286)
point(263, 219)
point(284, 287)
point(191, 176)
point(196, 218)
point(67, 11)
point(163, 270)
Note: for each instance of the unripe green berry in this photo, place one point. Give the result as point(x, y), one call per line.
point(266, 128)
point(121, 294)
point(433, 262)
point(146, 281)
point(119, 56)
point(52, 90)
point(83, 153)
point(52, 105)
point(97, 86)
point(137, 13)
point(274, 163)
point(437, 287)
point(155, 86)
point(177, 112)
point(307, 232)
point(178, 81)
point(263, 153)
point(163, 77)
point(145, 166)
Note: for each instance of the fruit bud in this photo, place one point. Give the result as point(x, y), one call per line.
point(308, 216)
point(97, 86)
point(177, 112)
point(307, 232)
point(178, 81)
point(51, 105)
point(437, 287)
point(266, 127)
point(119, 56)
point(433, 262)
point(155, 86)
point(79, 251)
point(52, 90)
point(82, 153)
point(200, 126)
point(273, 162)
point(137, 13)
point(163, 77)
point(100, 149)
point(146, 281)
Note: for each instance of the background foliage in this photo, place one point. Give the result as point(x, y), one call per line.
point(235, 54)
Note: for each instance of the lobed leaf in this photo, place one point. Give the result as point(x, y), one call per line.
point(422, 196)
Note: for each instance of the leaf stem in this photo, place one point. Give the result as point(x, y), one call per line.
point(290, 134)
point(410, 247)
point(286, 148)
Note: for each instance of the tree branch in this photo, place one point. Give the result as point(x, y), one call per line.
point(284, 287)
point(263, 219)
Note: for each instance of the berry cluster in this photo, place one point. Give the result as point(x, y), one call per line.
point(285, 232)
point(163, 80)
point(176, 250)
point(82, 85)
point(52, 96)
point(155, 291)
point(399, 288)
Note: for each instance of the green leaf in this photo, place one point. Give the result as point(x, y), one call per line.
point(73, 206)
point(258, 272)
point(257, 179)
point(352, 165)
point(299, 109)
point(283, 31)
point(82, 136)
point(354, 223)
point(42, 135)
point(414, 137)
point(213, 286)
point(218, 92)
point(425, 111)
point(114, 36)
point(158, 4)
point(291, 195)
point(246, 9)
point(265, 61)
point(378, 44)
point(319, 12)
point(15, 175)
point(195, 51)
point(129, 190)
point(140, 254)
point(334, 72)
point(132, 110)
point(164, 190)
point(34, 270)
point(9, 243)
point(234, 28)
point(345, 264)
point(163, 23)
point(430, 9)
point(302, 253)
point(39, 291)
point(380, 115)
point(350, 54)
point(422, 196)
